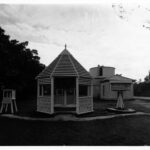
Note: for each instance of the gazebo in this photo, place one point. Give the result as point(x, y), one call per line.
point(64, 84)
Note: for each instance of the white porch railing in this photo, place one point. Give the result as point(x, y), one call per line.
point(85, 104)
point(44, 104)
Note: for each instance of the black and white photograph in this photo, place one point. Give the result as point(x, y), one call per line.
point(75, 73)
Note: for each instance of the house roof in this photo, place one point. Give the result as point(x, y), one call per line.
point(119, 78)
point(64, 65)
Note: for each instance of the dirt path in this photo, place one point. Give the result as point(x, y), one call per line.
point(70, 117)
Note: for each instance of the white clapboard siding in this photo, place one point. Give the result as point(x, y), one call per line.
point(44, 104)
point(85, 104)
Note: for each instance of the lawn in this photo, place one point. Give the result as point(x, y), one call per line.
point(131, 130)
point(101, 105)
point(28, 107)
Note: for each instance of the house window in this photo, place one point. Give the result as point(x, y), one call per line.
point(83, 90)
point(100, 71)
point(44, 90)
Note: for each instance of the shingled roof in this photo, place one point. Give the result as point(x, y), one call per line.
point(64, 65)
point(119, 78)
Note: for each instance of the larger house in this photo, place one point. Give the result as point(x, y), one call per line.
point(64, 84)
point(103, 79)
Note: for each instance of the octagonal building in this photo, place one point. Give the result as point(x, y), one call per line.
point(64, 84)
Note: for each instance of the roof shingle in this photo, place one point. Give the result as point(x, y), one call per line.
point(64, 65)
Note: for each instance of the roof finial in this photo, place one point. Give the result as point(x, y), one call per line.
point(65, 46)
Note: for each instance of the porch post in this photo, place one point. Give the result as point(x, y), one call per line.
point(77, 95)
point(52, 95)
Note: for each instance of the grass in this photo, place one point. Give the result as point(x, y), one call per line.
point(101, 105)
point(131, 130)
point(28, 107)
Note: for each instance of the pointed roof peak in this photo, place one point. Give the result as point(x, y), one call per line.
point(65, 46)
point(65, 51)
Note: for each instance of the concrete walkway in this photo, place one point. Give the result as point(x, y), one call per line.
point(70, 117)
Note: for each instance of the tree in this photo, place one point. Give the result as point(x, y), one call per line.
point(143, 88)
point(19, 65)
point(147, 78)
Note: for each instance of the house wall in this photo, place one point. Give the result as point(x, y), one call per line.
point(85, 104)
point(107, 71)
point(94, 71)
point(44, 103)
point(96, 88)
point(96, 91)
point(109, 94)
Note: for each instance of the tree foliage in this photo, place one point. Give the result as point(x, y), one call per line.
point(143, 88)
point(19, 65)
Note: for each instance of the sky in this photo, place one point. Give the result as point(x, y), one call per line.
point(108, 34)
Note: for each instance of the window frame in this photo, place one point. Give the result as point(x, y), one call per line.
point(41, 90)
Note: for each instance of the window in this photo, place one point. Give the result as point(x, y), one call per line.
point(83, 90)
point(44, 90)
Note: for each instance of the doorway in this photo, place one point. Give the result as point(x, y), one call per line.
point(64, 92)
